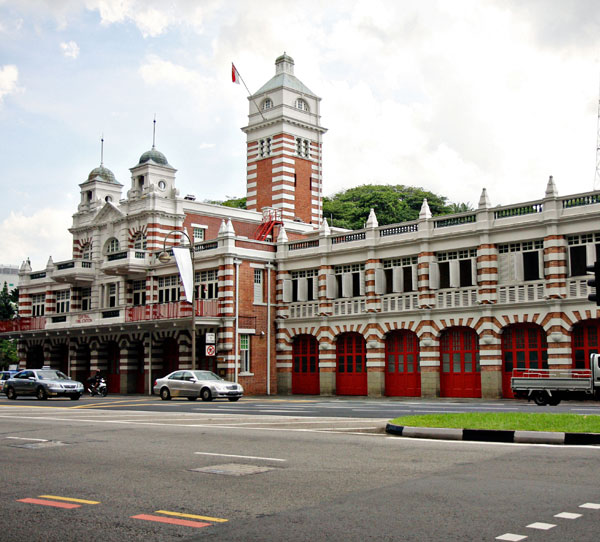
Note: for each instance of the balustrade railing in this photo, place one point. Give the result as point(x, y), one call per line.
point(304, 310)
point(521, 293)
point(464, 297)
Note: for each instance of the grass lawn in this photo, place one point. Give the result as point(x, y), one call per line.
point(514, 421)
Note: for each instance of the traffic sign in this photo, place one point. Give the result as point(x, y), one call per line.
point(211, 350)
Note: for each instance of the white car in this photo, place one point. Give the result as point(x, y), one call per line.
point(193, 384)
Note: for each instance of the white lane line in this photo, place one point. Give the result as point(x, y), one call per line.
point(590, 505)
point(541, 526)
point(567, 515)
point(586, 410)
point(510, 537)
point(282, 411)
point(35, 439)
point(242, 456)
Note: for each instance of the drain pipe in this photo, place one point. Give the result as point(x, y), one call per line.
point(237, 310)
point(269, 267)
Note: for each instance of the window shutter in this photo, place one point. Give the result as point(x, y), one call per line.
point(315, 287)
point(361, 283)
point(287, 291)
point(517, 266)
point(332, 292)
point(434, 276)
point(302, 289)
point(590, 254)
point(474, 277)
point(541, 264)
point(347, 285)
point(398, 279)
point(415, 278)
point(454, 273)
point(503, 268)
point(380, 282)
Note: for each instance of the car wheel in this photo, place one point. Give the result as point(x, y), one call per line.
point(233, 398)
point(10, 393)
point(165, 394)
point(192, 398)
point(41, 394)
point(541, 398)
point(75, 397)
point(206, 395)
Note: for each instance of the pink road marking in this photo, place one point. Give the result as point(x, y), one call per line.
point(173, 521)
point(50, 503)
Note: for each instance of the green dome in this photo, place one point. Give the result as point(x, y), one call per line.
point(154, 155)
point(104, 173)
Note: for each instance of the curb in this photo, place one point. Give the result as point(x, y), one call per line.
point(490, 435)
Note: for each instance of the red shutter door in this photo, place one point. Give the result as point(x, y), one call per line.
point(305, 369)
point(351, 375)
point(402, 371)
point(460, 375)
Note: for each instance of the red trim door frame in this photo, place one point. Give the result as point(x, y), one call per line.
point(460, 374)
point(524, 346)
point(305, 366)
point(351, 358)
point(402, 370)
point(584, 341)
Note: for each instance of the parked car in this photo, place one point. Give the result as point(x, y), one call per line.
point(4, 376)
point(43, 383)
point(193, 384)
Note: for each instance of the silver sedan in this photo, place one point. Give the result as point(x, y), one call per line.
point(193, 384)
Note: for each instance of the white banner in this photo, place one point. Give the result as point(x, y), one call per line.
point(184, 263)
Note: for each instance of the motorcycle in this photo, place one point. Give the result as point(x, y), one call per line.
point(101, 389)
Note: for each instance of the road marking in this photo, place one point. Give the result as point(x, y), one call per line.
point(172, 521)
point(590, 505)
point(34, 439)
point(82, 501)
point(541, 526)
point(191, 516)
point(510, 537)
point(283, 411)
point(242, 456)
point(50, 503)
point(567, 515)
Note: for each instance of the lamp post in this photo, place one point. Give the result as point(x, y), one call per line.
point(164, 257)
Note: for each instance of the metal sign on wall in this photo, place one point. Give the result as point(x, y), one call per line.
point(210, 350)
point(210, 338)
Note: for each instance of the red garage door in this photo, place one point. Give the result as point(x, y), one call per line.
point(305, 371)
point(584, 342)
point(524, 346)
point(402, 371)
point(460, 376)
point(351, 375)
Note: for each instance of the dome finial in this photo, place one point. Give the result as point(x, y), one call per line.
point(154, 132)
point(102, 150)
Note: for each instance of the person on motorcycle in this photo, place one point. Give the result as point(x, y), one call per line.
point(94, 381)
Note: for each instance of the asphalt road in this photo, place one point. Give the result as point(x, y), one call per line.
point(268, 476)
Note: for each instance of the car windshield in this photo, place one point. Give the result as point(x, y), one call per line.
point(52, 375)
point(206, 375)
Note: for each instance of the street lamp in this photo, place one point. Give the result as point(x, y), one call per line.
point(164, 257)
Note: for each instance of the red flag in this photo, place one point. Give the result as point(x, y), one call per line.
point(235, 75)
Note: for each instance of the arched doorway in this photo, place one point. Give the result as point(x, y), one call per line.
point(113, 369)
point(351, 358)
point(305, 365)
point(59, 357)
point(584, 341)
point(460, 375)
point(402, 370)
point(524, 346)
point(35, 357)
point(138, 352)
point(170, 356)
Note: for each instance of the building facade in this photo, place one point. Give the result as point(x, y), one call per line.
point(441, 306)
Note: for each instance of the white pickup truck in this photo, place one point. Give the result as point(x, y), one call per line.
point(550, 386)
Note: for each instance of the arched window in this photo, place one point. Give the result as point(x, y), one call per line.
point(86, 251)
point(267, 104)
point(112, 245)
point(301, 104)
point(139, 241)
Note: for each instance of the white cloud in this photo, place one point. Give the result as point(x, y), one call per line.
point(38, 236)
point(9, 74)
point(70, 49)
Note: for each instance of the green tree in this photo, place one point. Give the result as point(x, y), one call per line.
point(7, 310)
point(237, 203)
point(8, 353)
point(392, 204)
point(456, 208)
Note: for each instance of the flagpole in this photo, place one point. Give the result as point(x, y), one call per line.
point(238, 74)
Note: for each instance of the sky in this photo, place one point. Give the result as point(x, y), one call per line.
point(451, 96)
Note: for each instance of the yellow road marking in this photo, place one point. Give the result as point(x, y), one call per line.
point(55, 497)
point(192, 516)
